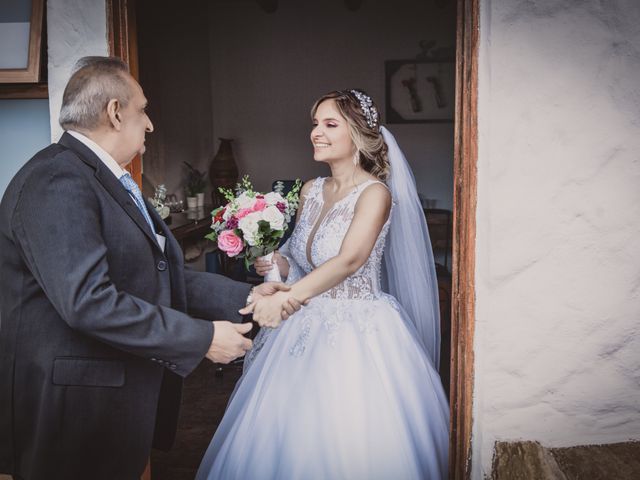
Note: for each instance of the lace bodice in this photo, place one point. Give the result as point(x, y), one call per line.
point(326, 239)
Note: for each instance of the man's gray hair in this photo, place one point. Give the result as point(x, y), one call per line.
point(93, 83)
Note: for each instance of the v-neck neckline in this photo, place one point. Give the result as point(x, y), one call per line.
point(321, 218)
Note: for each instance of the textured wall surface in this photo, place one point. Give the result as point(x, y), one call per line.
point(558, 264)
point(75, 28)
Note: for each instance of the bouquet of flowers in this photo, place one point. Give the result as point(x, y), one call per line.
point(251, 224)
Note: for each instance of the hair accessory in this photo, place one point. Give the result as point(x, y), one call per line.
point(366, 104)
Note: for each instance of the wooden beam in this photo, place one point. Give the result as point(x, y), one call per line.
point(23, 90)
point(464, 234)
point(123, 43)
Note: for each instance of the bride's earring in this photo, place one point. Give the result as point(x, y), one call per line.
point(356, 157)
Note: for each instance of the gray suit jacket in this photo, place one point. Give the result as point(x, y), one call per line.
point(97, 323)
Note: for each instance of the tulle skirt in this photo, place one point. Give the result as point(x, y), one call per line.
point(341, 390)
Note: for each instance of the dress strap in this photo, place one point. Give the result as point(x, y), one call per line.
point(366, 183)
point(316, 188)
point(361, 188)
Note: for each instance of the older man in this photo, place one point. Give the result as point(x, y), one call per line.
point(96, 331)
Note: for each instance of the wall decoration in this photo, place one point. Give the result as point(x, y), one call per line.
point(420, 91)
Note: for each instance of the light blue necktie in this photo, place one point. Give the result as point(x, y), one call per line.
point(132, 187)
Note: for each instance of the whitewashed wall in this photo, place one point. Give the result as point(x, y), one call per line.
point(76, 28)
point(558, 263)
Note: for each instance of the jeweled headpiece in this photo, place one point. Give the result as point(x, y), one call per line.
point(368, 109)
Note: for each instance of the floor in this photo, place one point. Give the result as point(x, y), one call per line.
point(205, 396)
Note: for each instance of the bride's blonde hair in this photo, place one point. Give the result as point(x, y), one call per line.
point(363, 128)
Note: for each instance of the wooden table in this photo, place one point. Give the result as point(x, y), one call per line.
point(191, 225)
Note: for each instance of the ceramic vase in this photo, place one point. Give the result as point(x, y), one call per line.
point(223, 171)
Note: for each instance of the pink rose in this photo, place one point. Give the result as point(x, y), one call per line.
point(230, 243)
point(243, 212)
point(259, 205)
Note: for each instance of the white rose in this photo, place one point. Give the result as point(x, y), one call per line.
point(272, 215)
point(249, 227)
point(272, 198)
point(245, 201)
point(252, 239)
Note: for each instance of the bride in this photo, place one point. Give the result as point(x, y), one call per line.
point(346, 388)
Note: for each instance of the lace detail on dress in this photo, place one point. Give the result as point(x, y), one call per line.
point(327, 240)
point(335, 306)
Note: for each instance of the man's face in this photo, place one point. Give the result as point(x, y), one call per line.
point(135, 123)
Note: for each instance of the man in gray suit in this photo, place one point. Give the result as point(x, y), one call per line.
point(99, 318)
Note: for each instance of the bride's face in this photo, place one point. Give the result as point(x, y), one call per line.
point(330, 134)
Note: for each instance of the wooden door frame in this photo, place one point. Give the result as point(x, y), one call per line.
point(123, 43)
point(121, 29)
point(464, 238)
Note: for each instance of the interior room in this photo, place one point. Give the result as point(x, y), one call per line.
point(249, 71)
point(545, 174)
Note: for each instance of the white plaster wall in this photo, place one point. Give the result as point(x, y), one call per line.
point(558, 265)
point(75, 28)
point(267, 70)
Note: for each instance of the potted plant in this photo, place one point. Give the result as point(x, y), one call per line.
point(195, 186)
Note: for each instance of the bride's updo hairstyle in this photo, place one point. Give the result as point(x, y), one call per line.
point(362, 118)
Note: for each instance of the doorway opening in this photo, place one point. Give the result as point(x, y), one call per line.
point(228, 68)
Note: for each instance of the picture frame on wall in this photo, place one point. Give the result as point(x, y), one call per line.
point(21, 50)
point(420, 91)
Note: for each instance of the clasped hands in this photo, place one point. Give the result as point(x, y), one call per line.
point(271, 303)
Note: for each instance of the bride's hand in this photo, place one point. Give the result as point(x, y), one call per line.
point(263, 266)
point(270, 311)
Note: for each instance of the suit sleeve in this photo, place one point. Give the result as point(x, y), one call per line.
point(215, 297)
point(57, 223)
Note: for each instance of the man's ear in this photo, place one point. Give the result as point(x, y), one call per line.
point(113, 114)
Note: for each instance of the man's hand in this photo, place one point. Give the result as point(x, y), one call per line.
point(288, 305)
point(268, 288)
point(228, 342)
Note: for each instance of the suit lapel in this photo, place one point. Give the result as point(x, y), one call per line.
point(173, 253)
point(110, 183)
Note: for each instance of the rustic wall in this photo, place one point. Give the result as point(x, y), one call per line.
point(558, 265)
point(75, 28)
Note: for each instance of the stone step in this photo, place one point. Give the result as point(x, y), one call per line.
point(532, 461)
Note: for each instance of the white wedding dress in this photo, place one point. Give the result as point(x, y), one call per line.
point(341, 390)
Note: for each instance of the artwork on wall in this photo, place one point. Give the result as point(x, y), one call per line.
point(420, 91)
point(21, 64)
